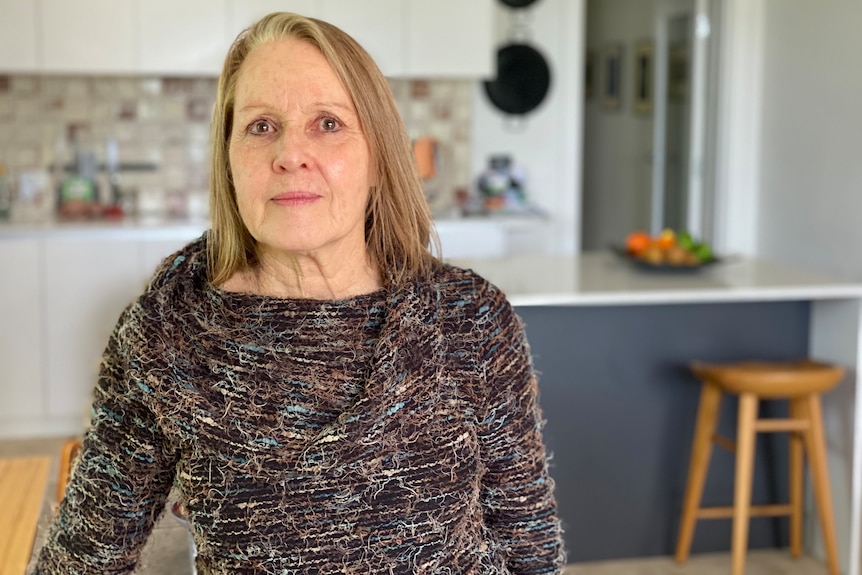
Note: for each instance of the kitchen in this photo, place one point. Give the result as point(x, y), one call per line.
point(551, 165)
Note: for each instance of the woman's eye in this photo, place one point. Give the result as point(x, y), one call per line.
point(329, 124)
point(260, 127)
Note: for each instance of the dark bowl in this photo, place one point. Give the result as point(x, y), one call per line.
point(668, 268)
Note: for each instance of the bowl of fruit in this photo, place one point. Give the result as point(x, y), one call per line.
point(667, 251)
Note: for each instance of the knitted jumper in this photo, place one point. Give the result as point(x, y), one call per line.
point(395, 432)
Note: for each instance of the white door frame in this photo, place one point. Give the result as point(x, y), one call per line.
point(739, 126)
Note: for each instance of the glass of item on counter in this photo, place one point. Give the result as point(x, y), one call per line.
point(77, 193)
point(501, 186)
point(33, 200)
point(26, 196)
point(6, 197)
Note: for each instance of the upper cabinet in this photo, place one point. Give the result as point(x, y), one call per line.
point(451, 38)
point(87, 36)
point(182, 38)
point(17, 36)
point(244, 13)
point(378, 25)
point(407, 38)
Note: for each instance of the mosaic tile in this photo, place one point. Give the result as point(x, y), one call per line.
point(166, 121)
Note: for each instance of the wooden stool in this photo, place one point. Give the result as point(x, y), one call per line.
point(800, 382)
point(68, 454)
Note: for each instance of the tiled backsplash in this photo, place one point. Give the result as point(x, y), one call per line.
point(161, 126)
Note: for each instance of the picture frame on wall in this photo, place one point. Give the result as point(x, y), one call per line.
point(589, 74)
point(612, 63)
point(644, 74)
point(678, 72)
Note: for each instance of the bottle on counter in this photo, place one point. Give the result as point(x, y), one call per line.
point(110, 195)
point(6, 197)
point(78, 193)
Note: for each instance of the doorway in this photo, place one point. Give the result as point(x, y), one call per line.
point(649, 118)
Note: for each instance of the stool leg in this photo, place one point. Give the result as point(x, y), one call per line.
point(796, 480)
point(744, 475)
point(816, 444)
point(701, 451)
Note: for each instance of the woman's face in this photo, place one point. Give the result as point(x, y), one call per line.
point(299, 160)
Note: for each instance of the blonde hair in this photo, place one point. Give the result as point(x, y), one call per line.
point(398, 226)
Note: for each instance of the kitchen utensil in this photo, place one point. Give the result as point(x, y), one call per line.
point(518, 3)
point(523, 79)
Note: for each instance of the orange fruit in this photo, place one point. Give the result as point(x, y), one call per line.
point(637, 242)
point(666, 240)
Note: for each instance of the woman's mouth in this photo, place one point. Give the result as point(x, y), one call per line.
point(295, 198)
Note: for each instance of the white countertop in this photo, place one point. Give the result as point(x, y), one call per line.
point(591, 279)
point(155, 228)
point(603, 278)
point(486, 230)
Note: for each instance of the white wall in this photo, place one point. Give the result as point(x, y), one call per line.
point(809, 203)
point(810, 209)
point(548, 143)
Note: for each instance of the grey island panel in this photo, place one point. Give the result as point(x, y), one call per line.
point(620, 407)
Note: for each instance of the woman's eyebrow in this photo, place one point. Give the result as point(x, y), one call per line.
point(334, 104)
point(251, 107)
point(326, 104)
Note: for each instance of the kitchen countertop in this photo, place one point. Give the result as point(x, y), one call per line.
point(590, 279)
point(123, 227)
point(483, 225)
point(603, 278)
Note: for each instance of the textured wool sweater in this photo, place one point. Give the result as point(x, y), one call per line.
point(394, 432)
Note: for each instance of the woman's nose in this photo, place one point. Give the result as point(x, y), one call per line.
point(291, 152)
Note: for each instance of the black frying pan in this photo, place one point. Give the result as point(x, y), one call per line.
point(522, 81)
point(517, 3)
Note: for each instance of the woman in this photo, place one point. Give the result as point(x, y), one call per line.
point(324, 394)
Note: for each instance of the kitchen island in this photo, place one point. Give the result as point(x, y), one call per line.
point(611, 343)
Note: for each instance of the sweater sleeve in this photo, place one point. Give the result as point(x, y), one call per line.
point(121, 482)
point(517, 491)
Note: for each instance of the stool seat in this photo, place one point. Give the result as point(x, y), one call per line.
point(799, 382)
point(771, 380)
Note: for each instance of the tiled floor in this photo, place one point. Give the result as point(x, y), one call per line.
point(167, 551)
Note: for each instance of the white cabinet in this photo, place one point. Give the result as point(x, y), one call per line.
point(17, 36)
point(153, 252)
point(476, 239)
point(419, 38)
point(243, 13)
point(182, 38)
point(414, 38)
point(87, 36)
point(450, 38)
point(58, 306)
point(62, 292)
point(20, 331)
point(88, 282)
point(378, 25)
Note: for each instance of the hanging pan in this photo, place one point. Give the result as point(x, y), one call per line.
point(522, 82)
point(517, 3)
